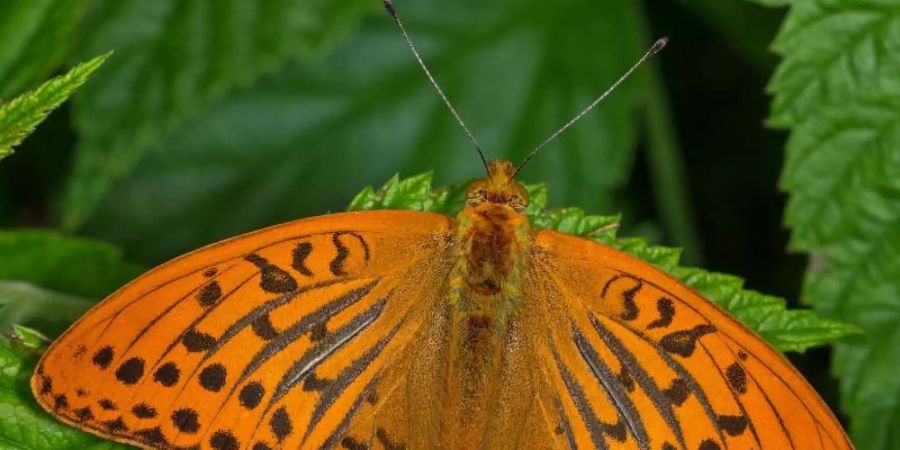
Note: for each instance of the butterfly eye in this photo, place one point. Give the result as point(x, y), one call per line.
point(518, 203)
point(476, 194)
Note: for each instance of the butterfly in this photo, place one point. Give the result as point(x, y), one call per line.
point(411, 330)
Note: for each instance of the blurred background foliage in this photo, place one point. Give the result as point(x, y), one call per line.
point(216, 117)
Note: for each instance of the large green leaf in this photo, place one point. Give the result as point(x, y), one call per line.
point(299, 142)
point(21, 115)
point(177, 58)
point(48, 280)
point(838, 89)
point(34, 37)
point(787, 330)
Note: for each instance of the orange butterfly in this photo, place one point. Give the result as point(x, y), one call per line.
point(410, 330)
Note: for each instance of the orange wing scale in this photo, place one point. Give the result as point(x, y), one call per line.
point(268, 340)
point(643, 362)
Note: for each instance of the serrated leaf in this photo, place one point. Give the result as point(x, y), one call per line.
point(837, 88)
point(177, 58)
point(21, 115)
point(787, 330)
point(316, 132)
point(23, 424)
point(34, 37)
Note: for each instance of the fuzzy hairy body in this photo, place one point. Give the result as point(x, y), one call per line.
point(493, 242)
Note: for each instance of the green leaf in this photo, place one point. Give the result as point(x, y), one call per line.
point(23, 424)
point(301, 141)
point(50, 311)
point(787, 330)
point(19, 117)
point(77, 266)
point(47, 280)
point(34, 37)
point(178, 58)
point(837, 88)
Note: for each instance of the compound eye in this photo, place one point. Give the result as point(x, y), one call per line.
point(476, 194)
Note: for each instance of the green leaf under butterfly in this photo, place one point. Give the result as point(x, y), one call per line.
point(837, 89)
point(21, 115)
point(787, 330)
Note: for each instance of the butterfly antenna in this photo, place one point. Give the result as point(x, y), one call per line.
point(389, 6)
point(654, 49)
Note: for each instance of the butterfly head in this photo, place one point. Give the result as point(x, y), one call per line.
point(499, 188)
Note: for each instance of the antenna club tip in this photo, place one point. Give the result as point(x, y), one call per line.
point(389, 6)
point(657, 46)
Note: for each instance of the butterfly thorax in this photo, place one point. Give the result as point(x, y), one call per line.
point(493, 242)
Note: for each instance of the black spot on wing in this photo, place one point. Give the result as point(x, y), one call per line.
point(60, 402)
point(213, 377)
point(299, 255)
point(709, 444)
point(107, 405)
point(224, 440)
point(677, 392)
point(666, 309)
point(195, 341)
point(626, 380)
point(280, 424)
point(684, 342)
point(272, 278)
point(131, 371)
point(737, 378)
point(46, 385)
point(114, 426)
point(103, 357)
point(733, 425)
point(167, 374)
point(84, 414)
point(143, 411)
point(251, 394)
point(186, 420)
point(153, 437)
point(210, 294)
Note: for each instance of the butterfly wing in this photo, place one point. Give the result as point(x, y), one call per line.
point(268, 340)
point(640, 361)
